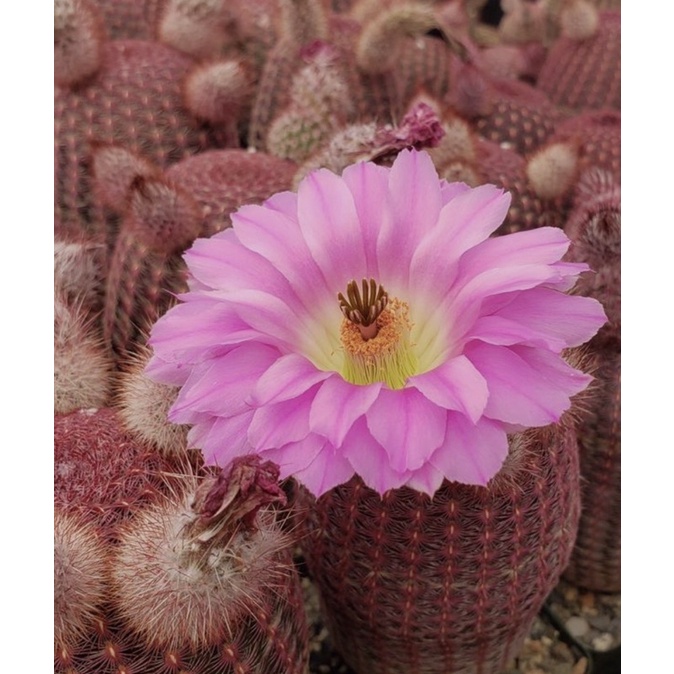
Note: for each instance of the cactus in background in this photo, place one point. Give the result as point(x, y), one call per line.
point(78, 272)
point(222, 180)
point(126, 91)
point(130, 19)
point(467, 570)
point(581, 74)
point(82, 364)
point(320, 102)
point(101, 471)
point(588, 141)
point(164, 213)
point(145, 269)
point(504, 111)
point(594, 229)
point(143, 407)
point(301, 23)
point(80, 573)
point(200, 581)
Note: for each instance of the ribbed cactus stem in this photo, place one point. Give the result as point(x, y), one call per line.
point(201, 28)
point(218, 92)
point(375, 51)
point(143, 406)
point(188, 571)
point(82, 364)
point(302, 21)
point(78, 39)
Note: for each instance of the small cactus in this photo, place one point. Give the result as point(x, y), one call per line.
point(82, 364)
point(143, 406)
point(466, 571)
point(200, 581)
point(582, 74)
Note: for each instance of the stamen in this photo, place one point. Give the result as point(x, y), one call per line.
point(362, 308)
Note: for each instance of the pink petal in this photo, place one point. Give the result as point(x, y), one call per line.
point(331, 228)
point(407, 425)
point(288, 377)
point(545, 245)
point(369, 186)
point(295, 456)
point(427, 479)
point(519, 391)
point(277, 425)
point(568, 318)
point(465, 221)
point(449, 191)
point(326, 471)
point(223, 263)
point(471, 453)
point(223, 439)
point(454, 385)
point(415, 200)
point(278, 238)
point(197, 330)
point(543, 317)
point(222, 385)
point(370, 460)
point(285, 203)
point(337, 405)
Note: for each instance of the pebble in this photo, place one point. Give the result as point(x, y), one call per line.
point(577, 626)
point(603, 642)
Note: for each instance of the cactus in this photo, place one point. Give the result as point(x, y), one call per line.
point(594, 229)
point(130, 19)
point(145, 267)
point(82, 364)
point(319, 104)
point(200, 581)
point(583, 142)
point(466, 571)
point(133, 94)
point(143, 406)
point(581, 74)
point(101, 471)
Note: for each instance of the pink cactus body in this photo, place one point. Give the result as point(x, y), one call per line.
point(136, 99)
point(594, 228)
point(200, 581)
point(585, 74)
point(130, 19)
point(466, 571)
point(222, 180)
point(520, 116)
point(506, 168)
point(101, 471)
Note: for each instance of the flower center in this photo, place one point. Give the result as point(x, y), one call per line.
point(375, 335)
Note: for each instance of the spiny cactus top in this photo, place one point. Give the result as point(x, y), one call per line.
point(410, 376)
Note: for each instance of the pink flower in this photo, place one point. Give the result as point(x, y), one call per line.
point(465, 346)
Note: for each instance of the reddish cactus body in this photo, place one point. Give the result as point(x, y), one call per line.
point(130, 19)
point(520, 116)
point(585, 74)
point(135, 97)
point(101, 471)
point(594, 228)
point(507, 169)
point(201, 581)
point(222, 180)
point(412, 585)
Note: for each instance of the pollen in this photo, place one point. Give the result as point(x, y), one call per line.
point(388, 356)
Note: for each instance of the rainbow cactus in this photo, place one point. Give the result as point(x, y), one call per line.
point(200, 580)
point(594, 228)
point(111, 91)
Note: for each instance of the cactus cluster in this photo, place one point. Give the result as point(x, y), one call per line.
point(169, 116)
